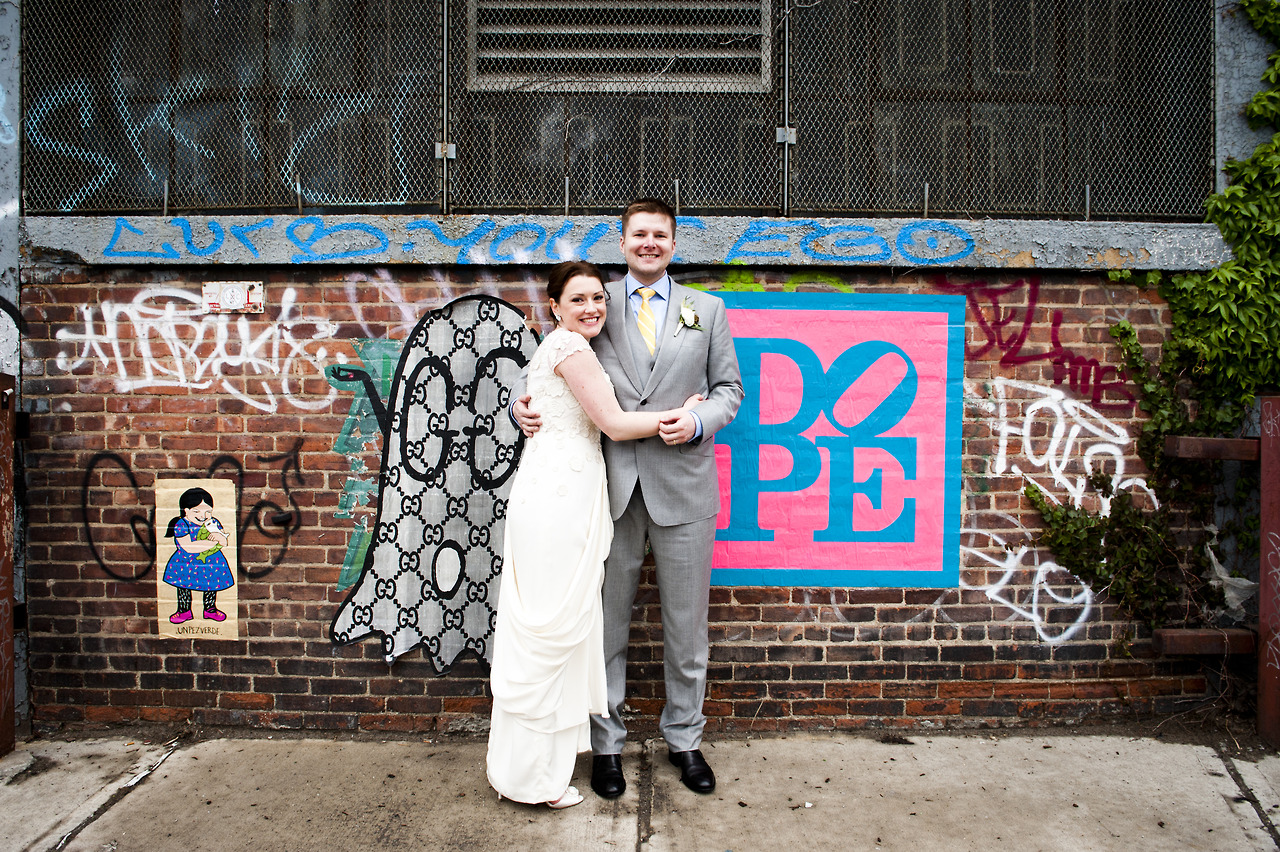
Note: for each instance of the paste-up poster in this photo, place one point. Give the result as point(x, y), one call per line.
point(842, 467)
point(196, 557)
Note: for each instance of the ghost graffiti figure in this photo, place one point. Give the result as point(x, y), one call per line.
point(449, 450)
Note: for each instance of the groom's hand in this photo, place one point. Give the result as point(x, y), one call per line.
point(677, 430)
point(526, 418)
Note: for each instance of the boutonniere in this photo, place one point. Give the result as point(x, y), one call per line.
point(688, 316)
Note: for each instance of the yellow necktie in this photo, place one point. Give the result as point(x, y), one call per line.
point(645, 320)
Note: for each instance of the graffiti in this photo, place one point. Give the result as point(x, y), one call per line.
point(837, 467)
point(923, 243)
point(1005, 330)
point(266, 518)
point(1269, 424)
point(363, 426)
point(165, 119)
point(74, 93)
point(1052, 588)
point(1044, 437)
point(1271, 609)
point(164, 339)
point(1057, 436)
point(481, 240)
point(449, 450)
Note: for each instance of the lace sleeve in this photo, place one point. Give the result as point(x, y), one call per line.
point(561, 344)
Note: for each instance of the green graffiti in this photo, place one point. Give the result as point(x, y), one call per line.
point(361, 428)
point(356, 550)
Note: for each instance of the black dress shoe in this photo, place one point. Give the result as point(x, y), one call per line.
point(606, 776)
point(694, 771)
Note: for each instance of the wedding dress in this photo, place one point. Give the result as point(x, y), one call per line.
point(548, 660)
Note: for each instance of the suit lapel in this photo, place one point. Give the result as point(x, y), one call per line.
point(669, 342)
point(615, 325)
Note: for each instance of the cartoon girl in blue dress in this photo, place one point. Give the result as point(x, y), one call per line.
point(198, 563)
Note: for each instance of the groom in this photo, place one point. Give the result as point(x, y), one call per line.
point(662, 342)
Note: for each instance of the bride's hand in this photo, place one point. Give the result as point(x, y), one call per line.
point(692, 401)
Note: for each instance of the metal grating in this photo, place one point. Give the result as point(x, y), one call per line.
point(619, 45)
point(584, 106)
point(1003, 107)
point(229, 105)
point(998, 107)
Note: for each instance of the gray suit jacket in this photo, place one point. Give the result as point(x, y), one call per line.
point(679, 483)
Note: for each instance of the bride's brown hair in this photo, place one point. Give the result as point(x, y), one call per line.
point(562, 272)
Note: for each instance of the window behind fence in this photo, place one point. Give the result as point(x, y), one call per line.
point(752, 107)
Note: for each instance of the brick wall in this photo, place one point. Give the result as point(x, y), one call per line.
point(127, 385)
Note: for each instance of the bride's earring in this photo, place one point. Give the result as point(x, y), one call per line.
point(556, 317)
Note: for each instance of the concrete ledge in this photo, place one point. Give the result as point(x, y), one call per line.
point(1196, 642)
point(711, 240)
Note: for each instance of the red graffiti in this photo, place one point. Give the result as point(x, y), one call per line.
point(1006, 330)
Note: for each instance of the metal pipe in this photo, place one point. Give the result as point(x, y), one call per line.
point(786, 106)
point(444, 112)
point(166, 196)
point(566, 196)
point(1087, 201)
point(677, 183)
point(926, 200)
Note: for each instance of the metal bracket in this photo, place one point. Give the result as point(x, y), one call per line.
point(446, 151)
point(785, 135)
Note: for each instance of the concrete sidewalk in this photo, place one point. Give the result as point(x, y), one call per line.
point(834, 791)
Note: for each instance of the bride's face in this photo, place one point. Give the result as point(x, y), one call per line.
point(581, 307)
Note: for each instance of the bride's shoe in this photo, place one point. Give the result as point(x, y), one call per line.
point(570, 798)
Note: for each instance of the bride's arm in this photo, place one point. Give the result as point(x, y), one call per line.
point(586, 379)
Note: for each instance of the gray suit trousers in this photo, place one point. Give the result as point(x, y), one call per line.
point(683, 556)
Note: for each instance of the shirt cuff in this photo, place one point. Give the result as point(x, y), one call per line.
point(697, 427)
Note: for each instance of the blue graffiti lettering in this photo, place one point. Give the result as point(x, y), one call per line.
point(464, 245)
point(166, 251)
point(867, 236)
point(539, 232)
point(553, 250)
point(188, 238)
point(319, 232)
point(77, 94)
point(241, 233)
point(763, 231)
point(597, 232)
point(913, 248)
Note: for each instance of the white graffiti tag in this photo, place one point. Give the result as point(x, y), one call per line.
point(1051, 432)
point(1052, 588)
point(164, 339)
point(1271, 619)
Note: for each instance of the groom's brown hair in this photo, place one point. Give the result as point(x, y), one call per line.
point(649, 205)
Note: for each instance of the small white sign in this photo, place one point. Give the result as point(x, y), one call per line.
point(233, 297)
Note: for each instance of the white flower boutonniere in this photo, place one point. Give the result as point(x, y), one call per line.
point(688, 317)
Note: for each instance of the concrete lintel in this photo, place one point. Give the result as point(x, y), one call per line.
point(526, 240)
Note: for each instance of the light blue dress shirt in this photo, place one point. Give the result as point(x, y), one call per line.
point(658, 303)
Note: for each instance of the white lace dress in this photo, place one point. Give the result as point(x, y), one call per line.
point(548, 658)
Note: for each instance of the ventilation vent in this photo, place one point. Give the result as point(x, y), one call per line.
point(619, 46)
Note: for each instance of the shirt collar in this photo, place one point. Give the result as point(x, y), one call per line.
point(662, 286)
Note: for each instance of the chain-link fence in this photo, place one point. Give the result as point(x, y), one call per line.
point(1003, 107)
point(899, 107)
point(229, 105)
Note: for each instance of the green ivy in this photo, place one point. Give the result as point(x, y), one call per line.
point(1127, 553)
point(1222, 350)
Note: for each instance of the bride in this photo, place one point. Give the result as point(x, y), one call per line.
point(548, 659)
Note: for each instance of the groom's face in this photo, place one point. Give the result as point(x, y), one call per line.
point(647, 245)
